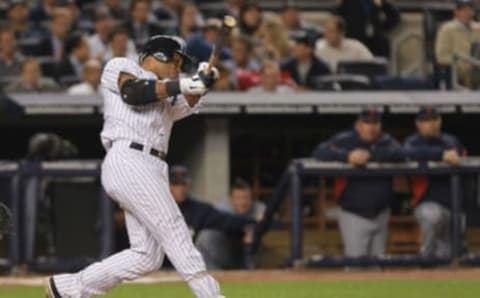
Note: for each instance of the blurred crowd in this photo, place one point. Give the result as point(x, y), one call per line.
point(54, 45)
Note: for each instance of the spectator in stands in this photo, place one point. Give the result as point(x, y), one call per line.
point(54, 42)
point(139, 25)
point(116, 10)
point(43, 11)
point(335, 47)
point(10, 58)
point(242, 202)
point(98, 42)
point(275, 43)
point(217, 234)
point(224, 82)
point(291, 20)
point(190, 20)
point(120, 46)
point(31, 80)
point(432, 195)
point(168, 10)
point(242, 58)
point(364, 201)
point(250, 19)
point(303, 66)
point(459, 36)
point(200, 45)
point(77, 52)
point(91, 79)
point(271, 80)
point(368, 21)
point(80, 21)
point(17, 14)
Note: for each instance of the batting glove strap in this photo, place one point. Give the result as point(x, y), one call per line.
point(173, 87)
point(193, 86)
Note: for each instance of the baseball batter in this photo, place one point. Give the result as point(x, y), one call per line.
point(142, 102)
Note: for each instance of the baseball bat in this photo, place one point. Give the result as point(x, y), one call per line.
point(228, 24)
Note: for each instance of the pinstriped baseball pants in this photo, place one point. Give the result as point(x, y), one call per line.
point(155, 225)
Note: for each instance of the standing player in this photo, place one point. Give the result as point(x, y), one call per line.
point(142, 101)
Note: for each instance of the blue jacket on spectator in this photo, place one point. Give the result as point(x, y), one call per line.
point(419, 148)
point(364, 196)
point(317, 69)
point(200, 49)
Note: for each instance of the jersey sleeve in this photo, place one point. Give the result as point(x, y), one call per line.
point(181, 109)
point(114, 68)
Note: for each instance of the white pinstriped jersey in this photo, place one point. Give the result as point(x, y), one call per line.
point(150, 124)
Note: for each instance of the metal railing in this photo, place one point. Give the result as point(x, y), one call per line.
point(28, 175)
point(474, 62)
point(291, 184)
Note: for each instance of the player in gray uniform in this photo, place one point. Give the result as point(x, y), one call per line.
point(141, 103)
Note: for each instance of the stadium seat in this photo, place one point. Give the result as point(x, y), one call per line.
point(48, 65)
point(369, 68)
point(343, 82)
point(402, 83)
point(30, 46)
point(68, 80)
point(6, 80)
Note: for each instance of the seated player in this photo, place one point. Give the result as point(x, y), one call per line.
point(218, 235)
point(364, 201)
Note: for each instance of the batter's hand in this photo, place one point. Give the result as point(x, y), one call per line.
point(193, 86)
point(208, 79)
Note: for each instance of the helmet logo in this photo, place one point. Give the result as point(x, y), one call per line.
point(161, 56)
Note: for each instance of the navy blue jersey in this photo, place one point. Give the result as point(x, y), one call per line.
point(199, 216)
point(435, 188)
point(365, 196)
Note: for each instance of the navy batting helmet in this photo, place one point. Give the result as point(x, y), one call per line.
point(163, 48)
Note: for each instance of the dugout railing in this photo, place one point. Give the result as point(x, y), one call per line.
point(9, 172)
point(32, 174)
point(25, 189)
point(290, 185)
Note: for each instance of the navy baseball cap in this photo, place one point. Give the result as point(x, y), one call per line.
point(427, 113)
point(370, 114)
point(462, 3)
point(304, 37)
point(179, 175)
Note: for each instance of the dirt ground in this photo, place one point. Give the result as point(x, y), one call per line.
point(288, 275)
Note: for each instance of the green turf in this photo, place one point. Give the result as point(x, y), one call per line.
point(324, 289)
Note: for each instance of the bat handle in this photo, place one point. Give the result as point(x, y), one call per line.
point(211, 62)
